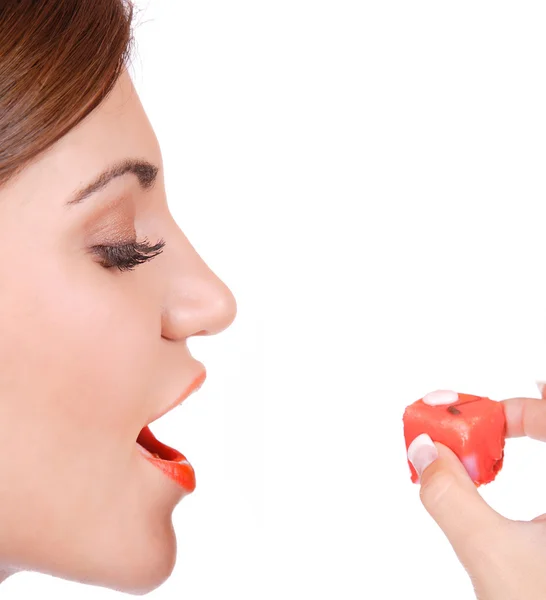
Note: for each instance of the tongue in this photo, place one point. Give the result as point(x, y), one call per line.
point(147, 440)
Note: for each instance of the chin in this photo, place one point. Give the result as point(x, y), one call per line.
point(130, 564)
point(145, 568)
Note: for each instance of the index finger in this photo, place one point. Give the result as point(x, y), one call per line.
point(525, 417)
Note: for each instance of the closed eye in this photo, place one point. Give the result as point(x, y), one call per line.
point(126, 257)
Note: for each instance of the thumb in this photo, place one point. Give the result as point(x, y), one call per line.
point(451, 498)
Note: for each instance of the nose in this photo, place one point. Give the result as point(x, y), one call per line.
point(196, 301)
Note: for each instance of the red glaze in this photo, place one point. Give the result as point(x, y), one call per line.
point(474, 429)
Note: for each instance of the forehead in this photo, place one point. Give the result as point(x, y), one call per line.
point(116, 129)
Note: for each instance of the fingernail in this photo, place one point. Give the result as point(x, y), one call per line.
point(540, 386)
point(422, 452)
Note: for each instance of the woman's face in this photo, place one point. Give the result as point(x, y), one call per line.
point(89, 355)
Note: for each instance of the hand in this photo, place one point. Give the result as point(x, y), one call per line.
point(506, 559)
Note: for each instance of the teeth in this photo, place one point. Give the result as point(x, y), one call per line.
point(182, 461)
point(147, 452)
point(143, 450)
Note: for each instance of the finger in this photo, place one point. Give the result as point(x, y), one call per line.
point(451, 498)
point(542, 388)
point(525, 417)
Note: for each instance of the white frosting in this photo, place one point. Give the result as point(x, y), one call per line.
point(440, 397)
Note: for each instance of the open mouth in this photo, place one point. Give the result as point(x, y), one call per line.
point(170, 461)
point(157, 449)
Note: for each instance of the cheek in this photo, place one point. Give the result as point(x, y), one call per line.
point(75, 363)
point(76, 370)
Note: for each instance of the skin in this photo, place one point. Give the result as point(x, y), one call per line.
point(504, 558)
point(90, 355)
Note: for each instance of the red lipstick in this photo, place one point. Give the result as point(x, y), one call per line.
point(173, 463)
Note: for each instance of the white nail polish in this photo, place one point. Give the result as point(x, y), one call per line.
point(422, 452)
point(440, 397)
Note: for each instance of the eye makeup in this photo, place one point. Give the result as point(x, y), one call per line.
point(126, 257)
point(111, 236)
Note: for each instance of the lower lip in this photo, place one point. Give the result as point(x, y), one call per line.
point(173, 464)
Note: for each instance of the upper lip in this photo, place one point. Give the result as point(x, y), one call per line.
point(193, 387)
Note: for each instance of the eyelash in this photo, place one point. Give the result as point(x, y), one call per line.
point(127, 257)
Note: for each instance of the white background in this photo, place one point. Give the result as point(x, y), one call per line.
point(368, 178)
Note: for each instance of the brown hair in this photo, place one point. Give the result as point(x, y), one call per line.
point(58, 60)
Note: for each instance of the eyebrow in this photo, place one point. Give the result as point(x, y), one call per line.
point(145, 171)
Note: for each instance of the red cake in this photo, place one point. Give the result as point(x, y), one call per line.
point(473, 427)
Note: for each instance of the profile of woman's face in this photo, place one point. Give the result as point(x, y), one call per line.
point(90, 354)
